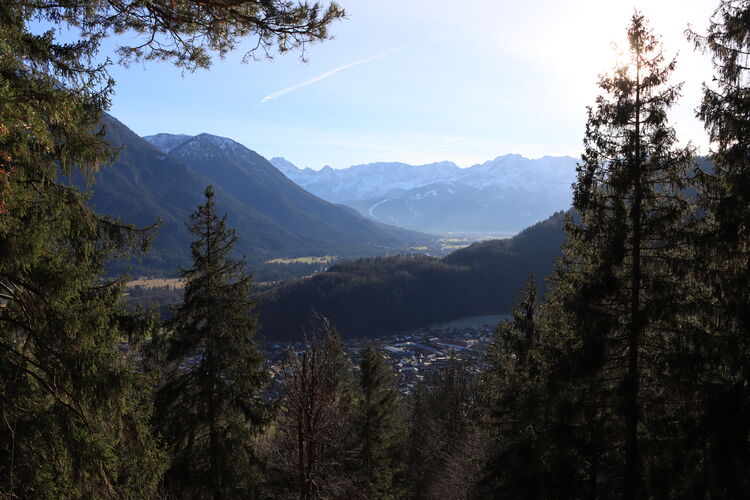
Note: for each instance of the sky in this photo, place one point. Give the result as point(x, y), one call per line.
point(421, 81)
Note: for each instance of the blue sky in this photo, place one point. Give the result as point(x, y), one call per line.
point(419, 81)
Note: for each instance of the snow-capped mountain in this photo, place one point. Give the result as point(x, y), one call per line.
point(167, 142)
point(364, 182)
point(503, 195)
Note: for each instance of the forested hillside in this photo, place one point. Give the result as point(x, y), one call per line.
point(384, 295)
point(277, 217)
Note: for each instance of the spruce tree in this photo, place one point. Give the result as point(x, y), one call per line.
point(70, 396)
point(377, 426)
point(210, 408)
point(72, 402)
point(517, 337)
point(420, 457)
point(515, 395)
point(717, 371)
point(616, 289)
point(458, 445)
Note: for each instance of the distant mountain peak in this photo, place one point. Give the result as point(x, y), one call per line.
point(167, 142)
point(285, 166)
point(223, 143)
point(500, 195)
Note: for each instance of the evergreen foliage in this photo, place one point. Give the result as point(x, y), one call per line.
point(374, 296)
point(379, 442)
point(446, 446)
point(515, 397)
point(72, 404)
point(210, 407)
point(714, 367)
point(617, 282)
point(419, 459)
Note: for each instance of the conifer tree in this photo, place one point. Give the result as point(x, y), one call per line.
point(70, 397)
point(517, 337)
point(458, 445)
point(717, 371)
point(420, 458)
point(516, 392)
point(211, 407)
point(616, 286)
point(377, 427)
point(72, 403)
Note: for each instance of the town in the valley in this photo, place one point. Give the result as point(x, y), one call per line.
point(414, 356)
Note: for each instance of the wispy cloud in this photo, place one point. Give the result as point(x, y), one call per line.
point(280, 93)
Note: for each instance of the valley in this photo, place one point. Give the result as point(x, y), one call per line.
point(310, 255)
point(522, 271)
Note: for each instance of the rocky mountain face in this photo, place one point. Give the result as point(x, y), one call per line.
point(500, 196)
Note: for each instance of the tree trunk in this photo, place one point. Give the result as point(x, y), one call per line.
point(632, 472)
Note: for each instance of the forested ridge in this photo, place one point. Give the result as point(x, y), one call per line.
point(629, 377)
point(376, 296)
point(277, 217)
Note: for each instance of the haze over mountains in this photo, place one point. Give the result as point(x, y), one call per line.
point(273, 216)
point(500, 196)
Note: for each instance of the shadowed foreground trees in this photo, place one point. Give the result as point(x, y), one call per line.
point(715, 365)
point(618, 281)
point(643, 337)
point(377, 422)
point(72, 403)
point(209, 408)
point(312, 453)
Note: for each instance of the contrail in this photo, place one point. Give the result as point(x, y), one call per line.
point(280, 93)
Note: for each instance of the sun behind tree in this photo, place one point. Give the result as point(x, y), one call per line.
point(617, 292)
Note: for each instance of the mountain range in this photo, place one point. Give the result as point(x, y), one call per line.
point(163, 178)
point(500, 196)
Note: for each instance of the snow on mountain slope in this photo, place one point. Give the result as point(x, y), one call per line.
point(167, 142)
point(365, 182)
point(502, 195)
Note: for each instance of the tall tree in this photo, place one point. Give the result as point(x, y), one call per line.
point(377, 427)
point(719, 346)
point(211, 407)
point(69, 397)
point(446, 438)
point(616, 283)
point(419, 460)
point(70, 401)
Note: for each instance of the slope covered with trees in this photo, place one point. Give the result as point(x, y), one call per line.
point(74, 406)
point(383, 295)
point(276, 217)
